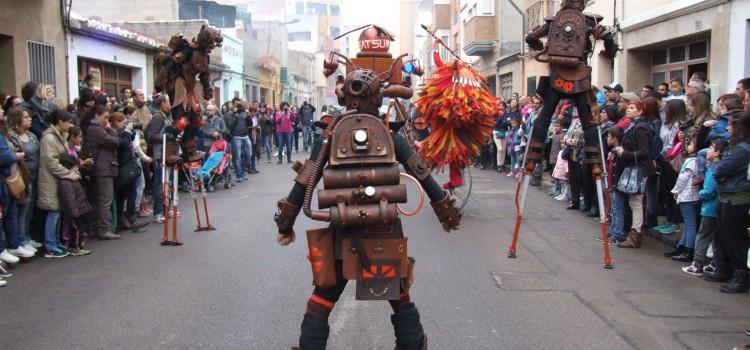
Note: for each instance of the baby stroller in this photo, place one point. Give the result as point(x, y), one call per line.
point(216, 166)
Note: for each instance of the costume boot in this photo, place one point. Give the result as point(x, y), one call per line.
point(314, 333)
point(738, 283)
point(408, 329)
point(632, 241)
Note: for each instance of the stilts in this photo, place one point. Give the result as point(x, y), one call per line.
point(521, 189)
point(170, 195)
point(600, 178)
point(197, 182)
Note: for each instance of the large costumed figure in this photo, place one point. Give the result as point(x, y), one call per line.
point(183, 75)
point(357, 158)
point(567, 51)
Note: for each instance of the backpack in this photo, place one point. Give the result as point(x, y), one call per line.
point(656, 143)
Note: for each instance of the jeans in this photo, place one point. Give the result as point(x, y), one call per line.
point(140, 184)
point(156, 189)
point(25, 212)
point(285, 139)
point(307, 132)
point(617, 225)
point(689, 212)
point(10, 224)
point(50, 230)
point(241, 153)
point(267, 145)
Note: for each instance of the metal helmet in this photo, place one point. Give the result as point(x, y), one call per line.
point(577, 5)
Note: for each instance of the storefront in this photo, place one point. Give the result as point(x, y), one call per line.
point(675, 41)
point(115, 57)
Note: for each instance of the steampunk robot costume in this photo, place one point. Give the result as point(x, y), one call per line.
point(359, 200)
point(567, 51)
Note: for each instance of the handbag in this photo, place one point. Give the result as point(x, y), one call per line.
point(565, 153)
point(631, 180)
point(16, 185)
point(127, 174)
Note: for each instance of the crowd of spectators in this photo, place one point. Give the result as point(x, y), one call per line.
point(689, 154)
point(92, 169)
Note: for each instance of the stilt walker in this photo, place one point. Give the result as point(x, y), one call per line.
point(567, 52)
point(170, 195)
point(197, 184)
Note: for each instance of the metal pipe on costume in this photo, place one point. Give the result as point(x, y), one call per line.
point(165, 198)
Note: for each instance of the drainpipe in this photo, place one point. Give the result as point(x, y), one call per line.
point(65, 18)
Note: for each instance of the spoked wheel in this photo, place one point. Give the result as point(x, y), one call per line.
point(462, 194)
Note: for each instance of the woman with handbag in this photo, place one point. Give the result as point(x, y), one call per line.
point(11, 189)
point(19, 123)
point(128, 172)
point(634, 167)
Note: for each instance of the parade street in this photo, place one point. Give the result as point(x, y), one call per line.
point(236, 288)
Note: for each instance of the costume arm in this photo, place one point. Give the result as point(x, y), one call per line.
point(442, 204)
point(289, 206)
point(532, 39)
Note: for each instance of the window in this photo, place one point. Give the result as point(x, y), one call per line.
point(679, 61)
point(506, 85)
point(111, 78)
point(41, 62)
point(299, 36)
point(300, 8)
point(334, 10)
point(317, 8)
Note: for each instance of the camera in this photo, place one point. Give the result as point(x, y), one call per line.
point(137, 125)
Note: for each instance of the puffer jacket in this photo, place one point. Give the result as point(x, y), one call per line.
point(72, 192)
point(52, 145)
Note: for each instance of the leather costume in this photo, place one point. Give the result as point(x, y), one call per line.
point(358, 160)
point(567, 50)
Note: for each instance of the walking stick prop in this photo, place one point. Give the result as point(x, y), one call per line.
point(600, 196)
point(196, 181)
point(175, 205)
point(522, 188)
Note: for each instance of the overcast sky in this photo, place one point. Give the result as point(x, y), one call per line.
point(383, 12)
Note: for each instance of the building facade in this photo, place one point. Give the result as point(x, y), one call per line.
point(32, 46)
point(233, 57)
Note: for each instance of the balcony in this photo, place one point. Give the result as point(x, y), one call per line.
point(480, 35)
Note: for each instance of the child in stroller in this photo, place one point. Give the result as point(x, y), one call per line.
point(217, 163)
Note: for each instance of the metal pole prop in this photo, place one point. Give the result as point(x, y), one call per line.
point(164, 193)
point(521, 188)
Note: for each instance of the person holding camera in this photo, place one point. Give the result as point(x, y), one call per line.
point(161, 120)
point(284, 130)
point(238, 123)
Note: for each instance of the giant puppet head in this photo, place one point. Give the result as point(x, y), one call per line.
point(577, 5)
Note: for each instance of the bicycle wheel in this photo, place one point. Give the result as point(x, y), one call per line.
point(462, 194)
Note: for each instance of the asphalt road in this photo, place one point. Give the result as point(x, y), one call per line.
point(235, 288)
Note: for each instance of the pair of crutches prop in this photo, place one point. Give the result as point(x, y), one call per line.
point(195, 182)
point(169, 196)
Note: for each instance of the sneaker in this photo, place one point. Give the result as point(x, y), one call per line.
point(669, 229)
point(35, 244)
point(510, 174)
point(4, 273)
point(8, 258)
point(695, 269)
point(80, 252)
point(710, 268)
point(54, 254)
point(3, 282)
point(29, 247)
point(21, 252)
point(159, 218)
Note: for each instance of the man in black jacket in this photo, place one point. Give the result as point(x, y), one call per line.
point(238, 122)
point(306, 115)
